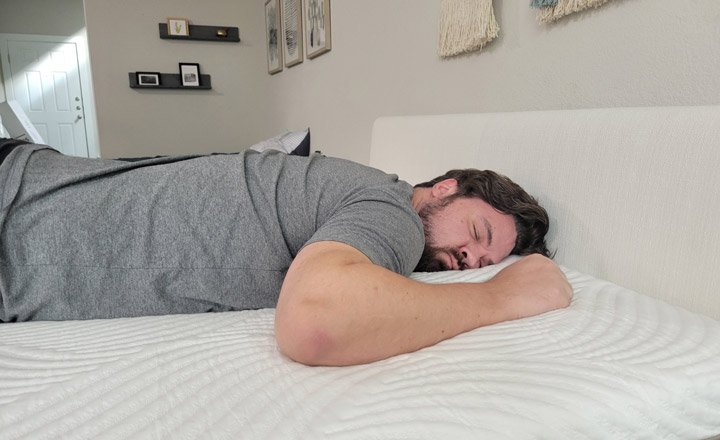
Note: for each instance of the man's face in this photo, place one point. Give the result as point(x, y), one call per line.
point(464, 233)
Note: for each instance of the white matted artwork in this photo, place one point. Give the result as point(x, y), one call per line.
point(190, 74)
point(272, 29)
point(292, 32)
point(317, 27)
point(178, 27)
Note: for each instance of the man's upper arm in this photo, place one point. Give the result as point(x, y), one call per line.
point(388, 232)
point(316, 266)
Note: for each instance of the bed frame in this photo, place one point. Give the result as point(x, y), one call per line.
point(633, 193)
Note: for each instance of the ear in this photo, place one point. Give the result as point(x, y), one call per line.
point(444, 188)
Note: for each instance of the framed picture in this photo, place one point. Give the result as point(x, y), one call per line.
point(317, 27)
point(178, 27)
point(292, 32)
point(272, 33)
point(148, 78)
point(190, 74)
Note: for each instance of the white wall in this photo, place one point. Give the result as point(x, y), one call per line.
point(384, 62)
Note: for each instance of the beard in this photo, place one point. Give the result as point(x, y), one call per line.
point(430, 260)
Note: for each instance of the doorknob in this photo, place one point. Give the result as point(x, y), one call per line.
point(78, 108)
point(78, 117)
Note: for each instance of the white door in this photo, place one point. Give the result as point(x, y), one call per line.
point(44, 78)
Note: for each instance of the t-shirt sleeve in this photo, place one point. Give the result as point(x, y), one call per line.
point(380, 223)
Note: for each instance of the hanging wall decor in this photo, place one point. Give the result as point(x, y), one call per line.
point(190, 74)
point(178, 27)
point(547, 14)
point(272, 34)
point(540, 3)
point(157, 80)
point(466, 26)
point(317, 27)
point(292, 32)
point(148, 78)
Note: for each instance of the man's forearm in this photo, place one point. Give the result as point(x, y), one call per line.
point(392, 315)
point(337, 308)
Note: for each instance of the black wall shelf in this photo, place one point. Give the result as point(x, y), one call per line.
point(170, 81)
point(204, 33)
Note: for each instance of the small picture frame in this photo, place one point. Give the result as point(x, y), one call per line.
point(273, 30)
point(148, 78)
point(317, 27)
point(190, 74)
point(178, 27)
point(292, 32)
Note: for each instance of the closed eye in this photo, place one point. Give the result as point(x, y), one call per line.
point(488, 229)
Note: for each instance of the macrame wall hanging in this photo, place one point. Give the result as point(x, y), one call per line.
point(466, 26)
point(551, 10)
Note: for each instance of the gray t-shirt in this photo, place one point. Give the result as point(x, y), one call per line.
point(93, 238)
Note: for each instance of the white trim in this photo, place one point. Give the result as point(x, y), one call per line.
point(80, 41)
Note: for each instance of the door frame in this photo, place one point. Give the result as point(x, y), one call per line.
point(80, 41)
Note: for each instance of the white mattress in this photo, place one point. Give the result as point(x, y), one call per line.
point(614, 365)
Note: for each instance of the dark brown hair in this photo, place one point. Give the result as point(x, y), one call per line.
point(531, 219)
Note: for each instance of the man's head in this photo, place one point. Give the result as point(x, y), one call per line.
point(474, 218)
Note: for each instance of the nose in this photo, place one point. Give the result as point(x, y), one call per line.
point(473, 258)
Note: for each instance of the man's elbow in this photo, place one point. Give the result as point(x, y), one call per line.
point(305, 337)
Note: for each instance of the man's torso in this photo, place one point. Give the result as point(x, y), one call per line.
point(88, 238)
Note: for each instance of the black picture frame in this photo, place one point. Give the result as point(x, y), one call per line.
point(189, 74)
point(148, 79)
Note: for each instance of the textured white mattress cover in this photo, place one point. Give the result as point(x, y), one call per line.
point(614, 365)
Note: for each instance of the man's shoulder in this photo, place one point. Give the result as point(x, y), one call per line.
point(346, 172)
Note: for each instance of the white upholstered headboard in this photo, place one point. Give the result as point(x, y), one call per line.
point(633, 193)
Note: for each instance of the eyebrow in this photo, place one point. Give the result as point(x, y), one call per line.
point(489, 231)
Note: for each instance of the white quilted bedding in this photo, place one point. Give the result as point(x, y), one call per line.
point(614, 365)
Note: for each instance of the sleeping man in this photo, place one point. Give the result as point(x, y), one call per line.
point(328, 242)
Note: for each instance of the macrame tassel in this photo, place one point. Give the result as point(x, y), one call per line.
point(548, 14)
point(465, 26)
point(537, 4)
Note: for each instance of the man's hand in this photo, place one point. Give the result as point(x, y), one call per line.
point(337, 308)
point(529, 287)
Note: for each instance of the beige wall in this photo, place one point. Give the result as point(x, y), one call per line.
point(626, 53)
point(41, 17)
point(123, 37)
point(384, 62)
